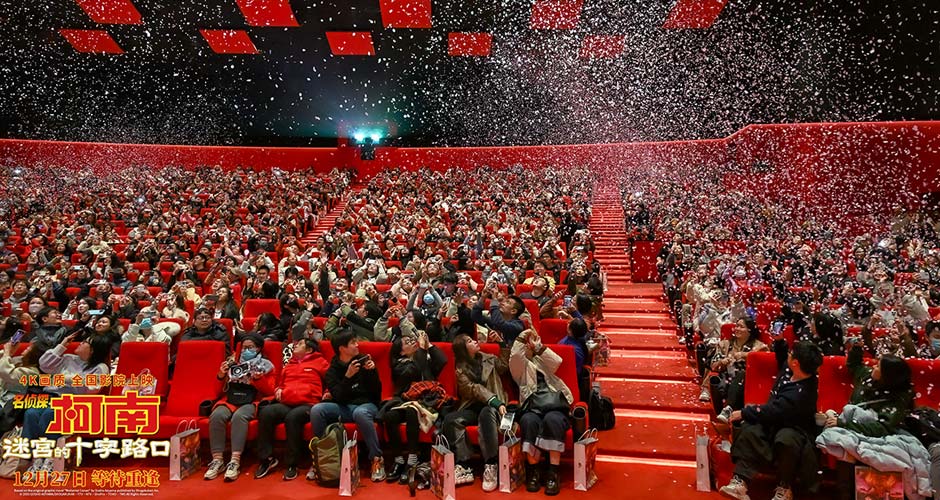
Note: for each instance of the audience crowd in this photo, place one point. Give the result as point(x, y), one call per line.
point(467, 257)
point(745, 274)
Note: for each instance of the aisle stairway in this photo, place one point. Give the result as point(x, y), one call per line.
point(649, 378)
point(327, 221)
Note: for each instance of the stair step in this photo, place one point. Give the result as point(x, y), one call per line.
point(643, 340)
point(614, 305)
point(670, 395)
point(653, 434)
point(648, 364)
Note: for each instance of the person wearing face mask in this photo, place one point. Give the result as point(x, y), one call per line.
point(143, 331)
point(299, 388)
point(425, 298)
point(248, 381)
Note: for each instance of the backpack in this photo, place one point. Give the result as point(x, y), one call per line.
point(326, 454)
point(601, 411)
point(924, 424)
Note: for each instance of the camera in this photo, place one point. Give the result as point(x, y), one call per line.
point(238, 371)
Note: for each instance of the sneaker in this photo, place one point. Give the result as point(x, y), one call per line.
point(266, 466)
point(463, 475)
point(215, 467)
point(705, 396)
point(782, 493)
point(490, 480)
point(291, 473)
point(231, 471)
point(312, 475)
point(378, 470)
point(735, 489)
point(725, 415)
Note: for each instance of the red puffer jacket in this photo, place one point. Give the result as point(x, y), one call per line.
point(302, 380)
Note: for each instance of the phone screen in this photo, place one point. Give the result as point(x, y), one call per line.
point(18, 336)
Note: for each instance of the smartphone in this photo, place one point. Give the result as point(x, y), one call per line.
point(567, 301)
point(778, 327)
point(96, 312)
point(18, 336)
point(210, 298)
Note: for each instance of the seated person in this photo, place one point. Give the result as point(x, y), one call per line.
point(89, 359)
point(355, 392)
point(206, 328)
point(504, 315)
point(546, 405)
point(781, 432)
point(726, 387)
point(243, 391)
point(299, 388)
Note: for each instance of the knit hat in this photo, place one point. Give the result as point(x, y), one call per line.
point(255, 338)
point(146, 324)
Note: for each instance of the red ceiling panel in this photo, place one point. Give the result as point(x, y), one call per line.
point(350, 43)
point(694, 14)
point(469, 44)
point(602, 46)
point(91, 41)
point(406, 13)
point(229, 41)
point(556, 14)
point(111, 11)
point(268, 13)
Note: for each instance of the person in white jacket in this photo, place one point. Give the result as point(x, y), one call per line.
point(90, 358)
point(546, 403)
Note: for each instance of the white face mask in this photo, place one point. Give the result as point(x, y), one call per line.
point(34, 309)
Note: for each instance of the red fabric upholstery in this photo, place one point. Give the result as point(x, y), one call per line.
point(761, 376)
point(380, 352)
point(925, 373)
point(194, 377)
point(136, 357)
point(553, 330)
point(254, 307)
point(532, 306)
point(835, 384)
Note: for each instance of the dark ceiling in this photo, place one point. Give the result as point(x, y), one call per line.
point(763, 61)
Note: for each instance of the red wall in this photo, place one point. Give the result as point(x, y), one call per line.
point(860, 165)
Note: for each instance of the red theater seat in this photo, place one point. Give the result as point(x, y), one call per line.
point(136, 357)
point(254, 307)
point(761, 376)
point(553, 330)
point(194, 381)
point(835, 384)
point(925, 373)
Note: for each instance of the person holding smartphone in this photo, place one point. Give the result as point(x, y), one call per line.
point(12, 371)
point(355, 392)
point(504, 318)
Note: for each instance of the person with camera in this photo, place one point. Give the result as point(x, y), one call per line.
point(355, 392)
point(346, 317)
point(248, 380)
point(504, 320)
point(483, 401)
point(546, 405)
point(300, 387)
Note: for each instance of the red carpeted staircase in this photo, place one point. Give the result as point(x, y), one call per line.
point(649, 378)
point(327, 221)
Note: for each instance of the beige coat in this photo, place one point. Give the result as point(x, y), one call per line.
point(471, 392)
point(524, 371)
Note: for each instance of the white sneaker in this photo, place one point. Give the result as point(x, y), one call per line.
point(490, 479)
point(463, 475)
point(782, 493)
point(215, 467)
point(705, 396)
point(725, 415)
point(231, 471)
point(735, 489)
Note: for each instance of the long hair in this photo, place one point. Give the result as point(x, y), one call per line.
point(461, 354)
point(895, 373)
point(100, 350)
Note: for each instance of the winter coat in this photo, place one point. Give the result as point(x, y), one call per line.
point(525, 371)
point(895, 453)
point(472, 390)
point(891, 407)
point(301, 380)
point(364, 387)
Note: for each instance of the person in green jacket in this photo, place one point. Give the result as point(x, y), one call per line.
point(884, 389)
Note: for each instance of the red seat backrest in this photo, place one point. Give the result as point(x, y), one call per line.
point(532, 306)
point(254, 307)
point(760, 378)
point(726, 330)
point(248, 324)
point(230, 328)
point(568, 371)
point(319, 322)
point(925, 373)
point(194, 377)
point(511, 389)
point(553, 330)
point(274, 351)
point(835, 384)
point(136, 357)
